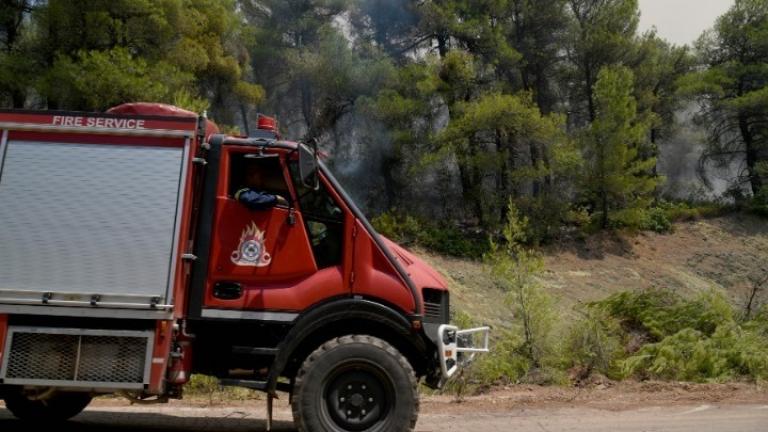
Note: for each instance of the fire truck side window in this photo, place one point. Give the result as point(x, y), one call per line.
point(261, 173)
point(324, 221)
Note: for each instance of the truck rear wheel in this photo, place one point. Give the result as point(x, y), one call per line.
point(41, 407)
point(355, 383)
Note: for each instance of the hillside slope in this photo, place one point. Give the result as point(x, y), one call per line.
point(721, 253)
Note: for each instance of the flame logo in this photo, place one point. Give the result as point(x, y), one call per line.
point(250, 252)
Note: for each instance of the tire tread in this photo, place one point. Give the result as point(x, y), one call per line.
point(299, 381)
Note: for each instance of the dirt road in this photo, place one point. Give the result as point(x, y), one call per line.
point(639, 407)
point(702, 418)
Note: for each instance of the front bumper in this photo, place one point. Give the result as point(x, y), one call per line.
point(457, 348)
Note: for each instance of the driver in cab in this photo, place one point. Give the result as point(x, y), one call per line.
point(253, 194)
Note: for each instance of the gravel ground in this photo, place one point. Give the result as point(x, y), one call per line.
point(647, 407)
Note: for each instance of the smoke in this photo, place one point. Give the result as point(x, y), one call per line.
point(680, 161)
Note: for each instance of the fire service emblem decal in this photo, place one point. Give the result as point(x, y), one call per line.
point(251, 251)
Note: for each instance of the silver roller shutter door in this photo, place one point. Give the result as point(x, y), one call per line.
point(89, 219)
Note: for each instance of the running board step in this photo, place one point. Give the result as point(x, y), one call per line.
point(255, 385)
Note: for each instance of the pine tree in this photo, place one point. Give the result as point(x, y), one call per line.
point(602, 34)
point(617, 176)
point(733, 88)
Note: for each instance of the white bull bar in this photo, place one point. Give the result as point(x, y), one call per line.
point(452, 341)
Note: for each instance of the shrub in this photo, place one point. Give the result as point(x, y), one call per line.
point(505, 364)
point(656, 219)
point(208, 388)
point(401, 228)
point(691, 210)
point(695, 339)
point(759, 203)
point(689, 355)
point(451, 240)
point(661, 217)
point(439, 237)
point(632, 218)
point(661, 313)
point(515, 269)
point(594, 343)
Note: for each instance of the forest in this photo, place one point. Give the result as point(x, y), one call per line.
point(440, 115)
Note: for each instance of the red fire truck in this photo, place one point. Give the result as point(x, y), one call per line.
point(127, 264)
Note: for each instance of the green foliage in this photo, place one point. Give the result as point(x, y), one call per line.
point(759, 203)
point(601, 34)
point(691, 355)
point(98, 80)
point(208, 388)
point(662, 215)
point(660, 313)
point(515, 269)
point(731, 85)
point(653, 334)
point(95, 54)
point(506, 364)
point(594, 344)
point(487, 134)
point(657, 220)
point(657, 67)
point(441, 238)
point(617, 178)
point(404, 229)
point(474, 100)
point(677, 211)
point(695, 339)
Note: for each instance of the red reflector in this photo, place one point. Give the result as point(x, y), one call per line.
point(267, 123)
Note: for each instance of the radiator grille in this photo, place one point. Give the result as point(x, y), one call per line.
point(433, 310)
point(66, 358)
point(436, 305)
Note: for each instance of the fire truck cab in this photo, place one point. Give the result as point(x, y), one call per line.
point(129, 260)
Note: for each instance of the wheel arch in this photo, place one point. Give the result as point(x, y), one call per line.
point(345, 317)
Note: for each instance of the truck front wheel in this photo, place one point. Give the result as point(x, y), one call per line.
point(46, 405)
point(355, 383)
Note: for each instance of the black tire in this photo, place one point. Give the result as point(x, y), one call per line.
point(57, 407)
point(355, 383)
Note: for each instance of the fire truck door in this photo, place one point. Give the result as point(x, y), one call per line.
point(261, 258)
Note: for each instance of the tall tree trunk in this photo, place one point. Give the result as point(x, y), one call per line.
point(752, 154)
point(18, 97)
point(442, 44)
point(11, 26)
point(604, 209)
point(654, 151)
point(533, 149)
point(246, 122)
point(589, 78)
point(306, 103)
point(477, 194)
point(501, 175)
point(389, 164)
point(468, 191)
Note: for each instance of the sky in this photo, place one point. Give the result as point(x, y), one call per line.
point(681, 21)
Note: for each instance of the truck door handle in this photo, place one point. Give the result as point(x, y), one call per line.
point(227, 290)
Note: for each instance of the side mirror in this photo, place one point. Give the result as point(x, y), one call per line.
point(308, 164)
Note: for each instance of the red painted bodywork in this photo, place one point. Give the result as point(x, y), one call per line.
point(290, 283)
